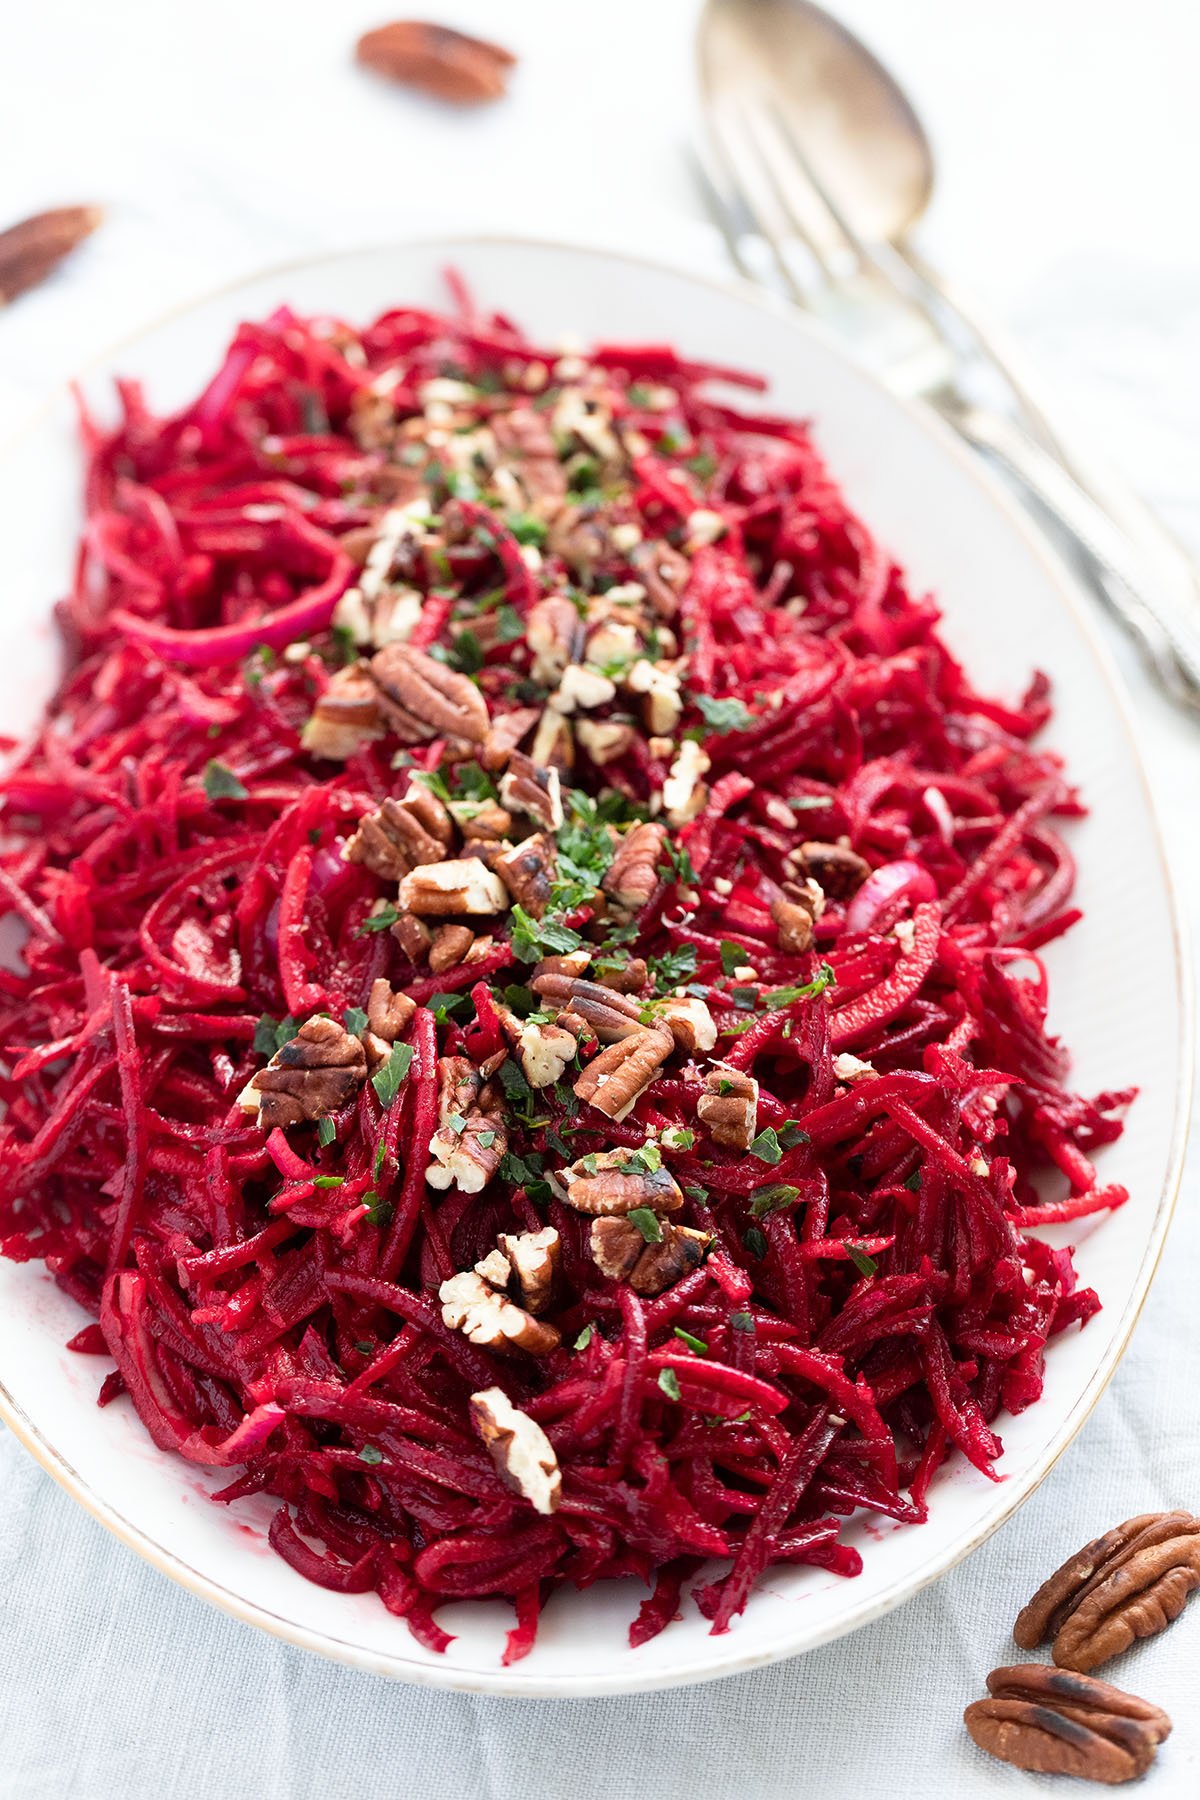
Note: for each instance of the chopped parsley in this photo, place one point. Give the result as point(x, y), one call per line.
point(355, 1020)
point(742, 1321)
point(381, 920)
point(672, 969)
point(531, 939)
point(725, 715)
point(733, 956)
point(772, 1198)
point(370, 1454)
point(387, 1080)
point(755, 1242)
point(584, 1338)
point(220, 783)
point(866, 1265)
point(271, 1034)
point(767, 1147)
point(668, 1381)
point(326, 1131)
point(693, 1343)
point(648, 1223)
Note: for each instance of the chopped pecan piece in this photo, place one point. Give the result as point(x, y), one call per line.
point(464, 887)
point(582, 688)
point(388, 1012)
point(450, 946)
point(605, 739)
point(579, 537)
point(615, 1182)
point(526, 442)
point(553, 745)
point(684, 792)
point(1058, 1722)
point(389, 618)
point(527, 871)
point(620, 1251)
point(664, 573)
point(482, 819)
point(661, 687)
point(527, 787)
point(571, 964)
point(613, 1081)
point(401, 835)
point(505, 734)
point(533, 1259)
point(471, 1305)
point(609, 1015)
point(523, 1454)
point(838, 869)
point(795, 913)
point(413, 936)
point(729, 1106)
point(317, 1072)
point(1128, 1584)
point(345, 717)
point(545, 1052)
point(470, 1140)
point(689, 1022)
point(554, 632)
point(437, 59)
point(632, 876)
point(421, 698)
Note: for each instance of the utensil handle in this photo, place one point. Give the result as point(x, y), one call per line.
point(1166, 635)
point(1138, 520)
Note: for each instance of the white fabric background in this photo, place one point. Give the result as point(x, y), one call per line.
point(223, 136)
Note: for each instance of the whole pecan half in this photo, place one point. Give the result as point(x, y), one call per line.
point(421, 698)
point(312, 1075)
point(632, 876)
point(616, 1182)
point(614, 1080)
point(400, 835)
point(33, 248)
point(610, 1015)
point(620, 1250)
point(1059, 1722)
point(1128, 1584)
point(436, 59)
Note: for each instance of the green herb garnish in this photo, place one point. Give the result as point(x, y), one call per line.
point(387, 1080)
point(220, 783)
point(648, 1223)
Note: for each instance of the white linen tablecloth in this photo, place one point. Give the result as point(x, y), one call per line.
point(231, 135)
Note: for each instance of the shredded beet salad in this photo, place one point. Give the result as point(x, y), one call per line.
point(530, 1043)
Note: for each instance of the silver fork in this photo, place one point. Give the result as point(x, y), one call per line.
point(783, 230)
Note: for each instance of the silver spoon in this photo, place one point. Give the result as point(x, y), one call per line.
point(869, 156)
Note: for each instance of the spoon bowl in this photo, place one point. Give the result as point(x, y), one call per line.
point(845, 114)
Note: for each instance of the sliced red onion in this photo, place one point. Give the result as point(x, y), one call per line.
point(895, 881)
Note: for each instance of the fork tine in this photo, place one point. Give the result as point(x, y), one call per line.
point(719, 205)
point(801, 211)
point(741, 168)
